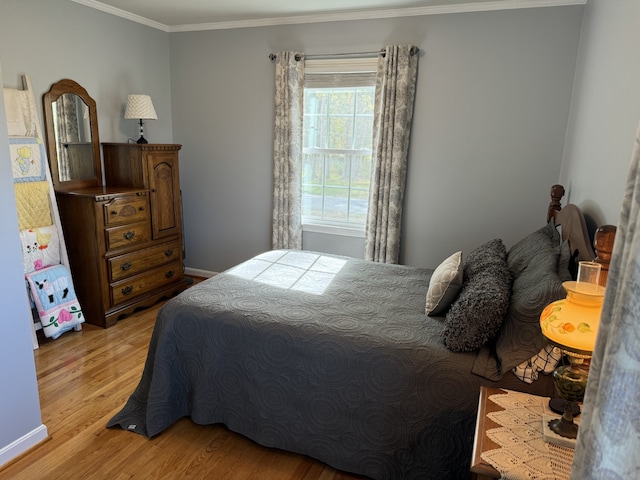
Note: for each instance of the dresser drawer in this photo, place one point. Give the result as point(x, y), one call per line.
point(134, 234)
point(131, 287)
point(126, 209)
point(124, 266)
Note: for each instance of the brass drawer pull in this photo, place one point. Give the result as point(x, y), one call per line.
point(168, 252)
point(127, 290)
point(170, 274)
point(129, 235)
point(125, 266)
point(114, 212)
point(141, 209)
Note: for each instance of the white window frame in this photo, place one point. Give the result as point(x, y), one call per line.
point(337, 66)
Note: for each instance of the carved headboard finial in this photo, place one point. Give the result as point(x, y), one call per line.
point(557, 192)
point(574, 229)
point(603, 245)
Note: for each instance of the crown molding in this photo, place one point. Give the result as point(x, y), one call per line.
point(123, 14)
point(335, 17)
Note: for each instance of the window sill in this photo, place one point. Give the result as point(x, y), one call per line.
point(333, 230)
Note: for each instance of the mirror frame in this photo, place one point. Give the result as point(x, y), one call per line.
point(56, 91)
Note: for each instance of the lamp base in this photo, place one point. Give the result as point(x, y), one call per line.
point(550, 436)
point(564, 427)
point(559, 406)
point(142, 139)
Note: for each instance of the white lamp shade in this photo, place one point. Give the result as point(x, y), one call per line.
point(140, 106)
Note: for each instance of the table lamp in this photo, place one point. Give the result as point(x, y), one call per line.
point(140, 107)
point(572, 324)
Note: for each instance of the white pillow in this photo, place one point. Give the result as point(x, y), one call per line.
point(444, 285)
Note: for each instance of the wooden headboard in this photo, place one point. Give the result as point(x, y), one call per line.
point(574, 229)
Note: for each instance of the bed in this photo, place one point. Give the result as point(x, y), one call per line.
point(336, 358)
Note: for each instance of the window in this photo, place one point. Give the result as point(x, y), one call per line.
point(339, 99)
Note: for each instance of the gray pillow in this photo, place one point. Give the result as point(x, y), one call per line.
point(531, 246)
point(444, 285)
point(475, 316)
point(564, 262)
point(552, 232)
point(536, 283)
point(489, 255)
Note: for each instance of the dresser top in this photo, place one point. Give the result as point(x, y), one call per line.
point(102, 192)
point(145, 146)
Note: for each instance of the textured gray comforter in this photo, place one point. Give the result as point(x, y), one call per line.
point(325, 356)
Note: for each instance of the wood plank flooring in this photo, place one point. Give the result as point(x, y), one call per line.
point(85, 378)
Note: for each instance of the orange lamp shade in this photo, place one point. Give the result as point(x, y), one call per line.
point(572, 323)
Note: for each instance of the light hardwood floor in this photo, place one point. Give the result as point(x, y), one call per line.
point(85, 377)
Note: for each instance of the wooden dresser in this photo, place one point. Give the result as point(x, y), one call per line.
point(153, 167)
point(125, 238)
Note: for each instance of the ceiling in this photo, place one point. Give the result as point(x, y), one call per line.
point(183, 15)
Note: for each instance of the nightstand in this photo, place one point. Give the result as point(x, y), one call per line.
point(527, 417)
point(481, 443)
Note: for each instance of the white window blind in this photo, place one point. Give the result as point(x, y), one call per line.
point(338, 128)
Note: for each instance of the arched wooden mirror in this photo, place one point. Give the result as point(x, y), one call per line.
point(73, 146)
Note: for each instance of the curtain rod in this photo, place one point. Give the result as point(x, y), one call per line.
point(273, 56)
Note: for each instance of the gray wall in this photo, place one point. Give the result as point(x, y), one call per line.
point(491, 109)
point(20, 412)
point(109, 56)
point(605, 109)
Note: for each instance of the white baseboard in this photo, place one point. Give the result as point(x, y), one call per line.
point(22, 444)
point(199, 273)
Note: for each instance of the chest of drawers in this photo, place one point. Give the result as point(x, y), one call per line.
point(117, 263)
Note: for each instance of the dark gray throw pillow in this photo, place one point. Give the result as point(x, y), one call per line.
point(491, 254)
point(475, 316)
point(534, 264)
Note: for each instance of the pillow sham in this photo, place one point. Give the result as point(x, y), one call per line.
point(533, 263)
point(477, 313)
point(564, 262)
point(444, 285)
point(530, 247)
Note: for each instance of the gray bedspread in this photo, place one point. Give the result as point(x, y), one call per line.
point(325, 356)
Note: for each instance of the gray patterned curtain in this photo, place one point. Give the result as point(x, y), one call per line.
point(395, 92)
point(287, 150)
point(609, 435)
